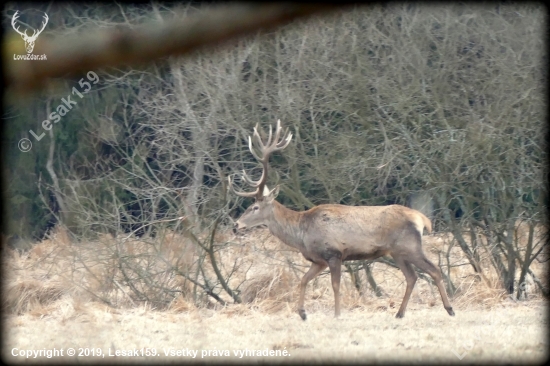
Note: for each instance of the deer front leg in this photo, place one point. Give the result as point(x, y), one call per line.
point(314, 270)
point(335, 266)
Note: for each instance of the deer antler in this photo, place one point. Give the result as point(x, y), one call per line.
point(29, 40)
point(266, 150)
point(35, 33)
point(13, 20)
point(44, 23)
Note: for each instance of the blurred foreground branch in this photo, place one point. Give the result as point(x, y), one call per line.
point(124, 46)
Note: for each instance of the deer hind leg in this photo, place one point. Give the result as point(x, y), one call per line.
point(335, 266)
point(424, 264)
point(314, 270)
point(411, 277)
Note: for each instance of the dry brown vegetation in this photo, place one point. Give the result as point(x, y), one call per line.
point(441, 106)
point(60, 295)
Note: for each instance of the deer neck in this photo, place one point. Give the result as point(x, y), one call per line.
point(286, 226)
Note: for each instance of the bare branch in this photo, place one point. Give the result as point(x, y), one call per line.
point(179, 36)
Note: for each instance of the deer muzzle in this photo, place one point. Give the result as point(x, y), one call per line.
point(238, 227)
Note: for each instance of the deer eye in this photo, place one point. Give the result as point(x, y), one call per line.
point(255, 208)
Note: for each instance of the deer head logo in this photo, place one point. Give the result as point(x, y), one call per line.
point(29, 40)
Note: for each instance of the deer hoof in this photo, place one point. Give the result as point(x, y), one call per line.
point(302, 313)
point(399, 315)
point(450, 311)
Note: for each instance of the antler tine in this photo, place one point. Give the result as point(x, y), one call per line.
point(44, 23)
point(253, 183)
point(284, 142)
point(279, 145)
point(278, 131)
point(250, 147)
point(15, 17)
point(46, 19)
point(37, 32)
point(256, 137)
point(241, 193)
point(270, 136)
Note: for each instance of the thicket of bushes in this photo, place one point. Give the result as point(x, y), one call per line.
point(387, 104)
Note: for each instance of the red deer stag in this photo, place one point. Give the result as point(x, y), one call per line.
point(327, 235)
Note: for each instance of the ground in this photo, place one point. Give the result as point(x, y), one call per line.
point(51, 301)
point(509, 332)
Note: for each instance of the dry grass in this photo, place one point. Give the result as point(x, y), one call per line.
point(55, 296)
point(358, 335)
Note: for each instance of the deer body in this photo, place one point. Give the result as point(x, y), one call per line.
point(327, 235)
point(355, 232)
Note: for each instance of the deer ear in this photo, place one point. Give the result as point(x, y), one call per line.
point(266, 191)
point(272, 194)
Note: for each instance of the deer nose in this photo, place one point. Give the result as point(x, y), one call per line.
point(235, 228)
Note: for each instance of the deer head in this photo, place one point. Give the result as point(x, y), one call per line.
point(29, 40)
point(260, 212)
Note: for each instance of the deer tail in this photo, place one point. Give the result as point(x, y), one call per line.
point(427, 222)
